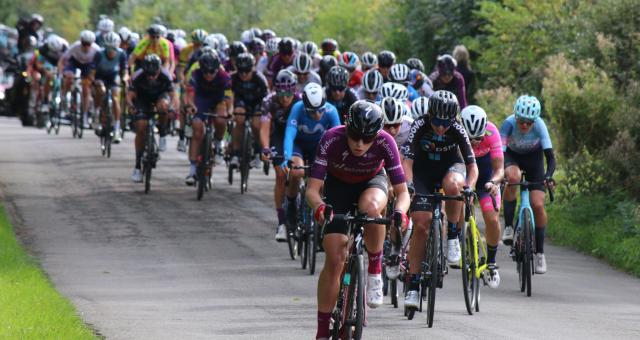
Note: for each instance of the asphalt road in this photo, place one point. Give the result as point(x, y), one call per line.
point(165, 266)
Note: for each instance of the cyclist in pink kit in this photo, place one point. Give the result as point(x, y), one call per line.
point(487, 148)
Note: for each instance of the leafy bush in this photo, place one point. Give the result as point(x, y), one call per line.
point(498, 103)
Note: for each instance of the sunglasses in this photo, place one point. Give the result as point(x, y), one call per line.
point(338, 88)
point(312, 112)
point(355, 136)
point(441, 122)
point(244, 71)
point(210, 72)
point(476, 139)
point(392, 126)
point(526, 122)
point(86, 44)
point(155, 37)
point(284, 94)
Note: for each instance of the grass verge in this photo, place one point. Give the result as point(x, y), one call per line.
point(604, 226)
point(31, 307)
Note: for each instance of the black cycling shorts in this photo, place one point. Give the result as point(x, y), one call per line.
point(344, 196)
point(424, 181)
point(146, 106)
point(531, 163)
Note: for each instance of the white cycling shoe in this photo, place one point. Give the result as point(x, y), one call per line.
point(412, 299)
point(541, 264)
point(281, 233)
point(136, 177)
point(507, 235)
point(493, 281)
point(256, 162)
point(374, 290)
point(182, 147)
point(453, 252)
point(162, 146)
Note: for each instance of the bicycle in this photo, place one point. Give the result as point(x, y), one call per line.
point(306, 230)
point(473, 259)
point(246, 152)
point(125, 120)
point(434, 267)
point(74, 102)
point(524, 243)
point(106, 135)
point(54, 107)
point(399, 259)
point(206, 154)
point(150, 155)
point(349, 314)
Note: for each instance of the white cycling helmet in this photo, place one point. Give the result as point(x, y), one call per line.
point(369, 59)
point(55, 43)
point(395, 90)
point(125, 33)
point(372, 81)
point(419, 107)
point(223, 43)
point(272, 45)
point(135, 37)
point(105, 25)
point(475, 120)
point(87, 37)
point(313, 96)
point(211, 41)
point(310, 48)
point(246, 37)
point(112, 39)
point(162, 29)
point(399, 73)
point(392, 110)
point(302, 63)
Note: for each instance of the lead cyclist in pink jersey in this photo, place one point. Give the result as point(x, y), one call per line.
point(487, 148)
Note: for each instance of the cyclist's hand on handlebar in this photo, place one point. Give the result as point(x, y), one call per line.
point(285, 165)
point(491, 188)
point(323, 214)
point(468, 193)
point(266, 154)
point(400, 219)
point(550, 183)
point(190, 109)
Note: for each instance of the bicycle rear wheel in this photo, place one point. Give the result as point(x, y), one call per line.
point(203, 160)
point(354, 311)
point(246, 157)
point(435, 266)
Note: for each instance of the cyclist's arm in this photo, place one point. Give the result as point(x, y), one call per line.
point(505, 132)
point(265, 124)
point(468, 156)
point(290, 133)
point(335, 118)
point(402, 197)
point(314, 197)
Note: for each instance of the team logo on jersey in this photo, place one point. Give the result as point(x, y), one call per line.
point(427, 145)
point(311, 131)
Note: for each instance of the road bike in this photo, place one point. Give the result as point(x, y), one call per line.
point(349, 314)
point(74, 102)
point(434, 267)
point(206, 155)
point(523, 246)
point(246, 152)
point(106, 120)
point(150, 154)
point(306, 230)
point(473, 258)
point(53, 123)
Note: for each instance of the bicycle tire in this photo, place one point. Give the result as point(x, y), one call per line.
point(244, 161)
point(436, 270)
point(467, 258)
point(355, 316)
point(80, 113)
point(313, 245)
point(230, 175)
point(200, 172)
point(149, 151)
point(291, 243)
point(528, 250)
point(393, 290)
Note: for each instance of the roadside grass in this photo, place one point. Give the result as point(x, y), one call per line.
point(604, 226)
point(30, 307)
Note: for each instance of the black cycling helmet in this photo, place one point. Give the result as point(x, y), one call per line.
point(209, 62)
point(256, 32)
point(329, 46)
point(446, 64)
point(415, 64)
point(151, 64)
point(256, 46)
point(171, 36)
point(154, 31)
point(338, 77)
point(245, 62)
point(236, 48)
point(285, 46)
point(386, 58)
point(364, 119)
point(267, 34)
point(443, 105)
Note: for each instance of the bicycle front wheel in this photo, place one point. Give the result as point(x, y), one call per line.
point(246, 157)
point(528, 251)
point(468, 266)
point(355, 300)
point(435, 267)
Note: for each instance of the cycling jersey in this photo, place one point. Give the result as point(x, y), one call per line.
point(456, 86)
point(262, 64)
point(150, 90)
point(405, 128)
point(515, 140)
point(424, 145)
point(108, 68)
point(249, 94)
point(490, 144)
point(333, 156)
point(76, 53)
point(413, 94)
point(162, 48)
point(343, 105)
point(356, 79)
point(312, 77)
point(306, 131)
point(49, 58)
point(278, 64)
point(278, 114)
point(208, 94)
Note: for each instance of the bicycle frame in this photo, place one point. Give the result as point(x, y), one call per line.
point(525, 204)
point(480, 267)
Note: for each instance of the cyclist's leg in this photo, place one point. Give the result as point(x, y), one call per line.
point(421, 214)
point(115, 102)
point(512, 174)
point(490, 216)
point(280, 183)
point(86, 90)
point(453, 183)
point(141, 131)
point(162, 105)
point(295, 176)
point(238, 130)
point(533, 166)
point(220, 125)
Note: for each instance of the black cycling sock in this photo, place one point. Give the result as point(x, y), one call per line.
point(491, 253)
point(540, 239)
point(162, 130)
point(415, 282)
point(509, 211)
point(138, 160)
point(181, 134)
point(453, 232)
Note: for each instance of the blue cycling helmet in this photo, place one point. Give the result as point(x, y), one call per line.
point(527, 107)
